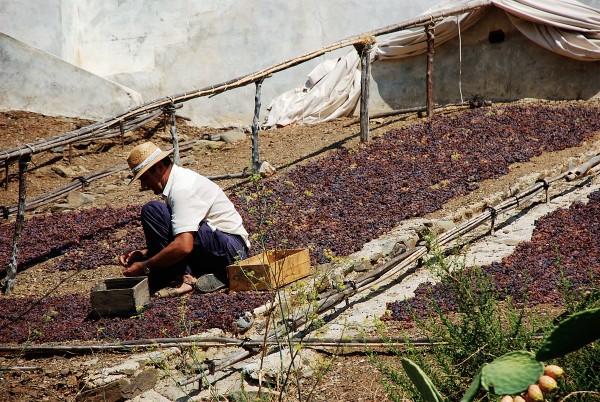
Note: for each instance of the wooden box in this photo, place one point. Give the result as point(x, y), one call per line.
point(269, 270)
point(120, 296)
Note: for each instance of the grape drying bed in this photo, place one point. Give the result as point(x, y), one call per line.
point(564, 245)
point(333, 206)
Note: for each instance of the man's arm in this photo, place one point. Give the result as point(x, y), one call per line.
point(177, 250)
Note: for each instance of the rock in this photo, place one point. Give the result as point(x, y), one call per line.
point(64, 171)
point(362, 266)
point(166, 136)
point(266, 169)
point(202, 145)
point(77, 199)
point(158, 358)
point(275, 366)
point(187, 161)
point(58, 208)
point(245, 322)
point(122, 388)
point(439, 226)
point(233, 136)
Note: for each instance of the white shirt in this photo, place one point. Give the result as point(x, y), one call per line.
point(194, 198)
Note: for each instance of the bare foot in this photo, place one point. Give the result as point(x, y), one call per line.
point(186, 287)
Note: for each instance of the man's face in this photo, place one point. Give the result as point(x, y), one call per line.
point(152, 179)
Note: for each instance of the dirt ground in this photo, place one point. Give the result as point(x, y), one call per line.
point(283, 148)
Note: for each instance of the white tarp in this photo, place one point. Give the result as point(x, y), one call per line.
point(331, 91)
point(566, 27)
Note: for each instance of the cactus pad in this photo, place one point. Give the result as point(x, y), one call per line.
point(511, 373)
point(571, 334)
point(424, 385)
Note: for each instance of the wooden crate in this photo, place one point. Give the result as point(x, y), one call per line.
point(269, 270)
point(120, 296)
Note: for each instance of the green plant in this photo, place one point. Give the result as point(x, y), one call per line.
point(515, 372)
point(487, 335)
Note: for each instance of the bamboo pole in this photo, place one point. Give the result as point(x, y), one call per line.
point(582, 169)
point(88, 133)
point(84, 180)
point(255, 128)
point(11, 271)
point(210, 342)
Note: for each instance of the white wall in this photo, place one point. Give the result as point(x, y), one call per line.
point(163, 47)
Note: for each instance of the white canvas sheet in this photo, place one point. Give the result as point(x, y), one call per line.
point(566, 27)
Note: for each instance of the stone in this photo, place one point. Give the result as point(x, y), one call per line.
point(202, 145)
point(362, 265)
point(160, 358)
point(128, 368)
point(58, 208)
point(245, 322)
point(187, 161)
point(120, 389)
point(233, 136)
point(276, 365)
point(64, 171)
point(77, 199)
point(266, 169)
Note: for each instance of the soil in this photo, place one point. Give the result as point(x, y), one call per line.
point(57, 378)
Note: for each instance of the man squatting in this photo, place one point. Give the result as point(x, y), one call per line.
point(192, 237)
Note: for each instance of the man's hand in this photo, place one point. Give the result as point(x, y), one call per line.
point(135, 269)
point(127, 259)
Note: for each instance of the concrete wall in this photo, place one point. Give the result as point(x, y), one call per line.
point(158, 48)
point(37, 81)
point(512, 69)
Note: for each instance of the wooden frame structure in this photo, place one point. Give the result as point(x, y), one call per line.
point(136, 117)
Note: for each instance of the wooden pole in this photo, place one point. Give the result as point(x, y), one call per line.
point(364, 50)
point(255, 128)
point(429, 30)
point(6, 177)
point(11, 272)
point(122, 130)
point(171, 111)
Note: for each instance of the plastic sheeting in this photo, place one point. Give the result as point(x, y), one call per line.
point(332, 89)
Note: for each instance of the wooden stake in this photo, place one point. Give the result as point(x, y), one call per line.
point(171, 111)
point(364, 50)
point(429, 30)
point(122, 130)
point(11, 272)
point(6, 178)
point(255, 128)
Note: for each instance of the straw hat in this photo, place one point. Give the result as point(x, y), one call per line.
point(143, 157)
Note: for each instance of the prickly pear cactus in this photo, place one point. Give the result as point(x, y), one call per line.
point(424, 385)
point(511, 373)
point(571, 334)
